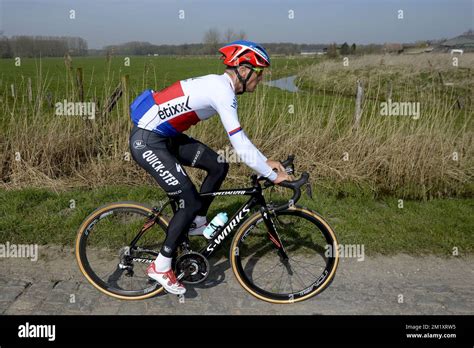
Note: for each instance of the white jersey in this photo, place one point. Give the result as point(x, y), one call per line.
point(176, 108)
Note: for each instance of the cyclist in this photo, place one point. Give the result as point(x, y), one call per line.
point(158, 144)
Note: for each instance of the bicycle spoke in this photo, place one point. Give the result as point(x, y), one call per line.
point(104, 243)
point(291, 284)
point(303, 262)
point(281, 278)
point(267, 272)
point(301, 280)
point(302, 239)
point(305, 269)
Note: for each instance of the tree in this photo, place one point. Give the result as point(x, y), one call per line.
point(241, 35)
point(345, 50)
point(353, 48)
point(212, 38)
point(5, 49)
point(229, 35)
point(468, 32)
point(332, 51)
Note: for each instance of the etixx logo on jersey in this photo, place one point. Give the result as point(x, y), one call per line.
point(139, 144)
point(174, 107)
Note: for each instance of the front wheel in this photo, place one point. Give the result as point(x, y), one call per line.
point(312, 256)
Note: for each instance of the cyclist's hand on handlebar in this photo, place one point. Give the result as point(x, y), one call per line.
point(282, 176)
point(276, 165)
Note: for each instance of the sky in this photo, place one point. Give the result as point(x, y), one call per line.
point(106, 22)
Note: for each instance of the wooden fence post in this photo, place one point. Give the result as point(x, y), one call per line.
point(125, 96)
point(30, 92)
point(441, 77)
point(358, 107)
point(112, 100)
point(79, 82)
point(69, 73)
point(389, 90)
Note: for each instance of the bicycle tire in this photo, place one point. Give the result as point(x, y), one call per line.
point(253, 289)
point(81, 249)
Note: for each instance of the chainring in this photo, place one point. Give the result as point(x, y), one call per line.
point(191, 268)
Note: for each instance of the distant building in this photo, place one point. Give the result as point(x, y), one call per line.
point(416, 49)
point(463, 42)
point(393, 48)
point(313, 53)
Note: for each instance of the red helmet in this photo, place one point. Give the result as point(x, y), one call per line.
point(239, 52)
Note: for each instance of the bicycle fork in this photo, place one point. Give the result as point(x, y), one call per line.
point(273, 233)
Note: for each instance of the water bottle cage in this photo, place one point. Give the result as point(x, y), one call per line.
point(217, 229)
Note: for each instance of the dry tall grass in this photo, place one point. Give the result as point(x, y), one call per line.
point(391, 154)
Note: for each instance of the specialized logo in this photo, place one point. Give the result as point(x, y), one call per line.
point(235, 221)
point(142, 260)
point(180, 169)
point(223, 193)
point(170, 110)
point(139, 144)
point(159, 167)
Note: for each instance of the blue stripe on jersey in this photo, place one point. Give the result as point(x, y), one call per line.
point(141, 105)
point(166, 129)
point(235, 131)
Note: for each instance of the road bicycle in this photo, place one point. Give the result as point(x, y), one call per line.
point(280, 253)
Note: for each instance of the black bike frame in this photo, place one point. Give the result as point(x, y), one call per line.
point(223, 232)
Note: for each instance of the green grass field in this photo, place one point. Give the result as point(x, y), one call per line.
point(361, 174)
point(44, 217)
point(144, 72)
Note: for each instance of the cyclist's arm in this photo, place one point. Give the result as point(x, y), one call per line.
point(240, 142)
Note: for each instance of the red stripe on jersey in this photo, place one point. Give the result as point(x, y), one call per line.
point(184, 121)
point(236, 130)
point(169, 93)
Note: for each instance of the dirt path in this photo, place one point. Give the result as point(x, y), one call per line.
point(382, 285)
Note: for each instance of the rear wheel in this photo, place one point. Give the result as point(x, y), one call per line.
point(310, 245)
point(104, 254)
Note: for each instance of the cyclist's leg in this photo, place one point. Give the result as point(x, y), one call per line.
point(193, 153)
point(151, 152)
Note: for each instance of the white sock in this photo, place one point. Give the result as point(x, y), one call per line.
point(200, 220)
point(162, 263)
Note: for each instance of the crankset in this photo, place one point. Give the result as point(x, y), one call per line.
point(191, 268)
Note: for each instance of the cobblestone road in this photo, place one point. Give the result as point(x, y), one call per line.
point(383, 285)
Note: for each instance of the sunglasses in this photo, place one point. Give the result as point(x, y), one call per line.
point(259, 71)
